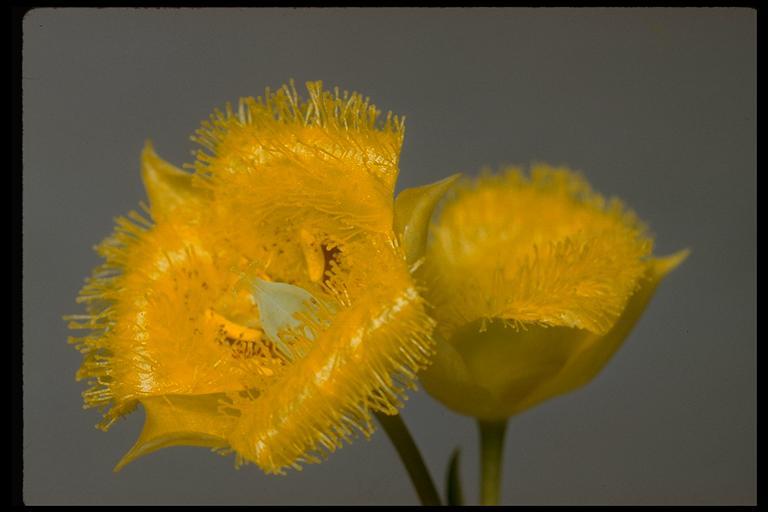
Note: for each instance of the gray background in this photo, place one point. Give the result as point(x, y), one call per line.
point(656, 106)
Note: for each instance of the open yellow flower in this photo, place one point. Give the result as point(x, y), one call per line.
point(267, 308)
point(534, 282)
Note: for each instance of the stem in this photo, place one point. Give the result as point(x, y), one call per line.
point(491, 457)
point(409, 454)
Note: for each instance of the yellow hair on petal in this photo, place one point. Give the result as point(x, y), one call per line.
point(282, 145)
point(362, 363)
point(543, 250)
point(155, 326)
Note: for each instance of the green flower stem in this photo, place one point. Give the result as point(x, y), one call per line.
point(411, 457)
point(491, 457)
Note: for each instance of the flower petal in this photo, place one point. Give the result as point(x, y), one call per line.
point(174, 420)
point(496, 371)
point(362, 362)
point(413, 211)
point(449, 380)
point(167, 186)
point(277, 156)
point(488, 368)
point(597, 350)
point(543, 250)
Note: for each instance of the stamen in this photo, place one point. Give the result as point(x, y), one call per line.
point(313, 255)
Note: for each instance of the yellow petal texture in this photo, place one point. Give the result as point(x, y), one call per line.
point(265, 307)
point(542, 250)
point(535, 283)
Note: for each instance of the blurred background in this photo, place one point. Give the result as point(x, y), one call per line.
point(656, 106)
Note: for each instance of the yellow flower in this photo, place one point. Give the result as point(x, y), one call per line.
point(266, 307)
point(535, 283)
